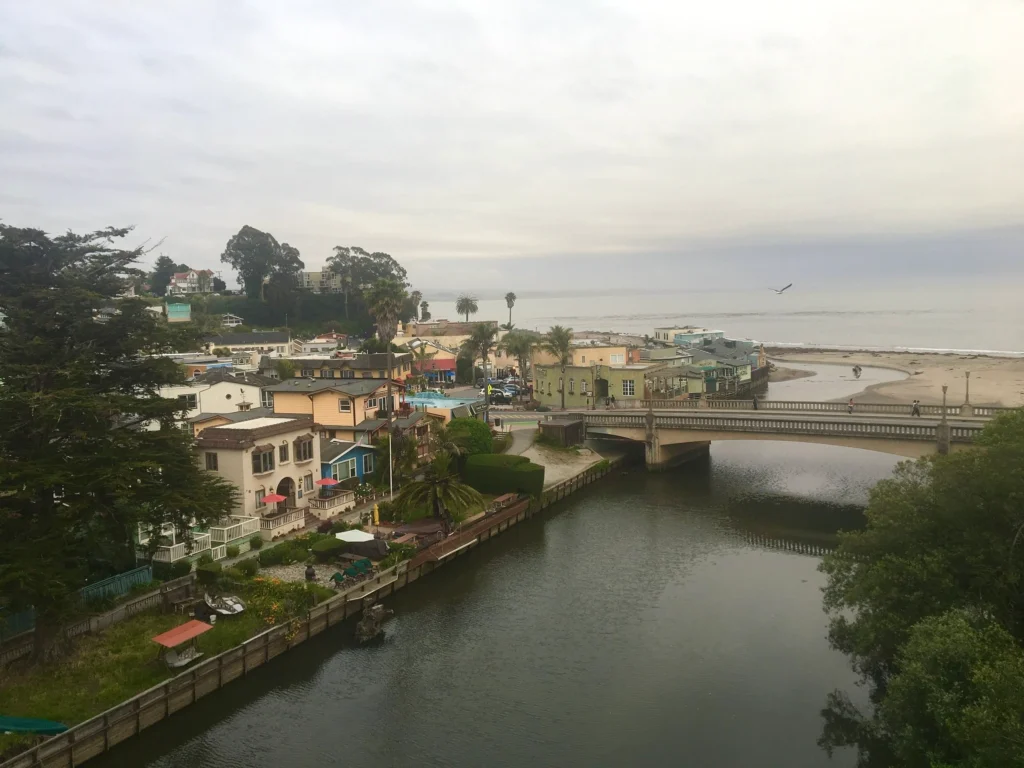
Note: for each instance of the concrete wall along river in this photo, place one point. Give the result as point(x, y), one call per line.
point(100, 733)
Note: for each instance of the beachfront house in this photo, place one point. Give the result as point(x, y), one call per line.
point(271, 456)
point(346, 409)
point(348, 462)
point(687, 337)
point(264, 342)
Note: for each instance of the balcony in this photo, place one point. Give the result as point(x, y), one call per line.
point(334, 503)
point(235, 527)
point(281, 522)
point(173, 551)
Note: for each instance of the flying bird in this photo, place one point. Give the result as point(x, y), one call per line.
point(780, 290)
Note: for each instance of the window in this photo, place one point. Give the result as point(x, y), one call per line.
point(368, 464)
point(211, 461)
point(366, 375)
point(260, 493)
point(583, 358)
point(282, 453)
point(347, 374)
point(583, 386)
point(308, 372)
point(189, 402)
point(344, 405)
point(559, 383)
point(325, 373)
point(618, 359)
point(381, 375)
point(572, 386)
point(343, 470)
point(549, 387)
point(307, 482)
point(628, 388)
point(304, 450)
point(267, 399)
point(371, 402)
point(263, 461)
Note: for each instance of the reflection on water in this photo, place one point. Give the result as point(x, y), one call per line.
point(651, 619)
point(830, 382)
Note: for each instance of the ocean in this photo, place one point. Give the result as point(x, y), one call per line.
point(979, 315)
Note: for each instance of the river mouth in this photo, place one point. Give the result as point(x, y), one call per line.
point(649, 619)
point(829, 381)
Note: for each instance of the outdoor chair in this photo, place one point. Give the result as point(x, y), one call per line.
point(176, 659)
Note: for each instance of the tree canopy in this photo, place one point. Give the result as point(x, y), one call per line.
point(439, 493)
point(943, 534)
point(466, 305)
point(558, 342)
point(78, 467)
point(257, 255)
point(472, 435)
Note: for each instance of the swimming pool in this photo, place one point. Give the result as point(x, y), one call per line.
point(425, 400)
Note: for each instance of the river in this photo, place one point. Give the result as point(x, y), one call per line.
point(643, 621)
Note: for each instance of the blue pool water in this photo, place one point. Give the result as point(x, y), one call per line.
point(424, 400)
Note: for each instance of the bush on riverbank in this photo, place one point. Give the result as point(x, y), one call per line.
point(501, 473)
point(472, 435)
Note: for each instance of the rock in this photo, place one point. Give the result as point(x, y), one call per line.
point(369, 626)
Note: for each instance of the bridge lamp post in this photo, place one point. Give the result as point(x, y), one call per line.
point(942, 432)
point(967, 409)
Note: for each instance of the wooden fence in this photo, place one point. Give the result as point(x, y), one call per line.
point(98, 734)
point(24, 644)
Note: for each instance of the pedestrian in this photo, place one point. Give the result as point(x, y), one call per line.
point(915, 409)
point(849, 406)
point(755, 402)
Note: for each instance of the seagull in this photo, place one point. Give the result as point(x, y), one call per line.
point(780, 290)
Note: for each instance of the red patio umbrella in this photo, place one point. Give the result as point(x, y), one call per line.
point(273, 498)
point(327, 481)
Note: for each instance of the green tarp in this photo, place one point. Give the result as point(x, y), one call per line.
point(30, 725)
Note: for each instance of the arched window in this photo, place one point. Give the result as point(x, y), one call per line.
point(583, 386)
point(559, 383)
point(549, 387)
point(572, 386)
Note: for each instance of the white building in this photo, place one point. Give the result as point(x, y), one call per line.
point(193, 281)
point(220, 391)
point(228, 320)
point(324, 281)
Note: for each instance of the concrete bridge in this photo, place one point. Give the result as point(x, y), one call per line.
point(673, 436)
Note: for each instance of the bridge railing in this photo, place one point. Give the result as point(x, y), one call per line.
point(712, 422)
point(902, 409)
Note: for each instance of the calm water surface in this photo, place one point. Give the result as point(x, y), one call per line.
point(636, 623)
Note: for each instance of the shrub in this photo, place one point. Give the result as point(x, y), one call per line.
point(324, 527)
point(397, 553)
point(542, 409)
point(472, 434)
point(256, 542)
point(235, 574)
point(248, 567)
point(501, 473)
point(285, 553)
point(388, 511)
point(207, 573)
point(204, 558)
point(233, 550)
point(170, 571)
point(338, 526)
point(328, 549)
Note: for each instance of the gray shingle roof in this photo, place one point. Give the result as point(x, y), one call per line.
point(244, 377)
point(252, 413)
point(255, 337)
point(347, 386)
point(332, 449)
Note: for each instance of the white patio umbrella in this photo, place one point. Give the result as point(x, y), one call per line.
point(353, 536)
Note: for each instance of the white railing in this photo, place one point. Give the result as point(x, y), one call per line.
point(243, 526)
point(342, 499)
point(174, 552)
point(273, 523)
point(219, 553)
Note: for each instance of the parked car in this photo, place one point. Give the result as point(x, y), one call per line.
point(500, 397)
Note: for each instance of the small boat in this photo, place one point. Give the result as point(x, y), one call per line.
point(224, 606)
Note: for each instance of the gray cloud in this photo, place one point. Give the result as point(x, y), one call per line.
point(531, 129)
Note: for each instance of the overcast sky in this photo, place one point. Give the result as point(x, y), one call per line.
point(484, 130)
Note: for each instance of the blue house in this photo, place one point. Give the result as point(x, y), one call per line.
point(343, 460)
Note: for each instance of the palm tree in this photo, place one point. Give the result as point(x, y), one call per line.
point(424, 311)
point(480, 344)
point(384, 301)
point(441, 441)
point(558, 342)
point(466, 305)
point(520, 345)
point(415, 297)
point(420, 355)
point(440, 492)
point(510, 300)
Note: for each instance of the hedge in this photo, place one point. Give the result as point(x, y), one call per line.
point(472, 434)
point(207, 573)
point(500, 473)
point(169, 571)
point(328, 549)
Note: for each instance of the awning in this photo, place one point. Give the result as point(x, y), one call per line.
point(354, 536)
point(179, 635)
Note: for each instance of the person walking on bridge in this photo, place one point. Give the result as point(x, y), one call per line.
point(755, 402)
point(849, 406)
point(915, 409)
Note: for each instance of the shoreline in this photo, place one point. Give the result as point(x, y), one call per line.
point(787, 374)
point(997, 381)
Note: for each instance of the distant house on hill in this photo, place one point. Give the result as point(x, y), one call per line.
point(265, 342)
point(192, 281)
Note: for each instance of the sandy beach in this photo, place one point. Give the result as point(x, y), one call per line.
point(994, 380)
